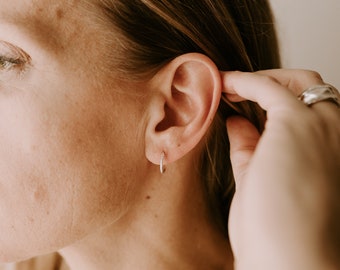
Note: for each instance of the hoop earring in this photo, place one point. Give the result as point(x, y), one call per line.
point(161, 163)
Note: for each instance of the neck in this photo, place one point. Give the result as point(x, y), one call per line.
point(168, 228)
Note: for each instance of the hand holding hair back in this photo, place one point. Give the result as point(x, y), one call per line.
point(286, 209)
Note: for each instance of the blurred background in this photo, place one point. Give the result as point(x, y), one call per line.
point(309, 33)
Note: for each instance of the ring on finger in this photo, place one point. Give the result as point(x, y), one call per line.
point(320, 93)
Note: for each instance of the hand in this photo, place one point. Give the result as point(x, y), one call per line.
point(286, 209)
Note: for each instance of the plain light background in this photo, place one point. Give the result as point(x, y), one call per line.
point(309, 33)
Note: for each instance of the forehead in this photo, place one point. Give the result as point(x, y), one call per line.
point(31, 11)
point(50, 22)
point(20, 5)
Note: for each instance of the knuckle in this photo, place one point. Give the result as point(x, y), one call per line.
point(313, 76)
point(268, 79)
point(304, 79)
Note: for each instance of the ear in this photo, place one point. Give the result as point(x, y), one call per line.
point(185, 95)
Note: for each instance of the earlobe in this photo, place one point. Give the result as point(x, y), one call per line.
point(185, 95)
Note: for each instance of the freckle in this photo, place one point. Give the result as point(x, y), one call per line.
point(39, 194)
point(156, 216)
point(60, 13)
point(34, 147)
point(148, 197)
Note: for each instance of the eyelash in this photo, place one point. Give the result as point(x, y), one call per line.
point(7, 63)
point(13, 58)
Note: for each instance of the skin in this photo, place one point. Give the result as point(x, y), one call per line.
point(79, 152)
point(286, 204)
point(55, 132)
point(80, 149)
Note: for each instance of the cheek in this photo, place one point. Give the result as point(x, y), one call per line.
point(63, 172)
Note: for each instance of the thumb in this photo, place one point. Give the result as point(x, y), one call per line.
point(243, 137)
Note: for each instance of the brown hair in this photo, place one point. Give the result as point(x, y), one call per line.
point(235, 34)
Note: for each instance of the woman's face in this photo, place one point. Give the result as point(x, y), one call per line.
point(66, 129)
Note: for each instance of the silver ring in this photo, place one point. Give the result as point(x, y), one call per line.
point(319, 93)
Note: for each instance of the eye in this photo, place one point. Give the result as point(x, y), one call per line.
point(12, 57)
point(7, 63)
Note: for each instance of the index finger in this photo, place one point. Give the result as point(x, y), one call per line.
point(294, 79)
point(263, 89)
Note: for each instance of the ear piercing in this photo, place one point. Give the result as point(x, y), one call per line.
point(161, 163)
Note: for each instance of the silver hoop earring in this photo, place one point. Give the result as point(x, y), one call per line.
point(161, 163)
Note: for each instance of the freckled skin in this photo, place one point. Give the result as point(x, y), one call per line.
point(66, 130)
point(60, 14)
